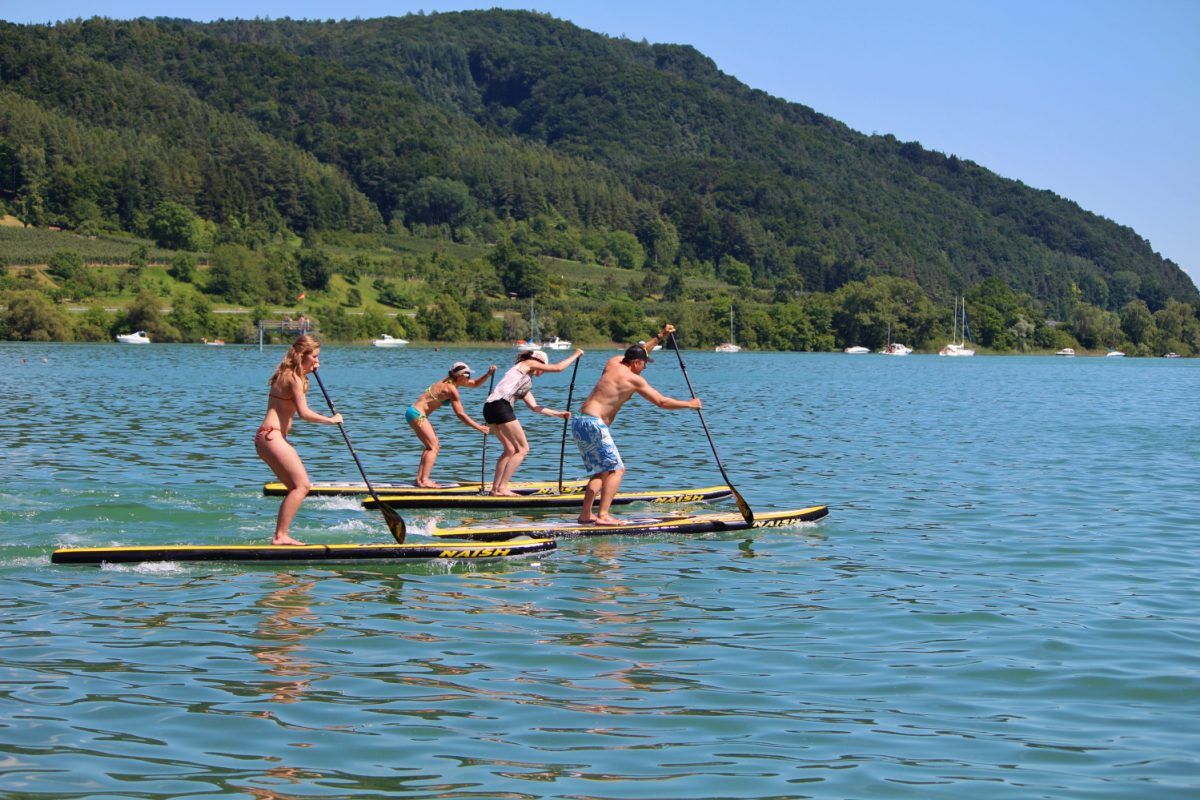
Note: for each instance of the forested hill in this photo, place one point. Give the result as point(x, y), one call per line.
point(454, 119)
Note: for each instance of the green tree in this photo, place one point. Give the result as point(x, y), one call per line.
point(441, 201)
point(1136, 322)
point(183, 267)
point(176, 226)
point(30, 316)
point(191, 314)
point(521, 275)
point(444, 320)
point(315, 270)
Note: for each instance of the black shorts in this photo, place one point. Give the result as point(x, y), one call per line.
point(498, 412)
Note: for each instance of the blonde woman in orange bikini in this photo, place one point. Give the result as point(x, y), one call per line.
point(417, 415)
point(287, 399)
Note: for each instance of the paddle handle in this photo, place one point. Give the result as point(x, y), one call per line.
point(562, 452)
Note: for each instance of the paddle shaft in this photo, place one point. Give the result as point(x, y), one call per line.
point(562, 453)
point(742, 505)
point(394, 522)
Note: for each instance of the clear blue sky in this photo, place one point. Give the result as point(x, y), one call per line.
point(1095, 100)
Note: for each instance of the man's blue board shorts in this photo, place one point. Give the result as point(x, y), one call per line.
point(596, 445)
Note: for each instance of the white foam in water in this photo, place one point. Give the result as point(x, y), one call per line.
point(145, 567)
point(335, 503)
point(351, 525)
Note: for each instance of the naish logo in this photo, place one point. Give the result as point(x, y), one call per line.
point(475, 552)
point(774, 523)
point(679, 498)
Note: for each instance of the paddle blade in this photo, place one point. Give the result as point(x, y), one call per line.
point(394, 522)
point(743, 507)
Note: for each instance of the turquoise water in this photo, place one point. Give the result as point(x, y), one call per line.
point(1001, 604)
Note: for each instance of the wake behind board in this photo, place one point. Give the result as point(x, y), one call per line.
point(421, 499)
point(417, 551)
point(276, 489)
point(639, 526)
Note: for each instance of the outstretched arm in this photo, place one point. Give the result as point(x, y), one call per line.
point(475, 383)
point(559, 367)
point(457, 406)
point(662, 401)
point(546, 412)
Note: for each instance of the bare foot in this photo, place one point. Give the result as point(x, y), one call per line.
point(586, 520)
point(504, 493)
point(285, 539)
point(429, 485)
point(607, 520)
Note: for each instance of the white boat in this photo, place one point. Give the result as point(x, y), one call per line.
point(894, 348)
point(1171, 355)
point(857, 350)
point(728, 347)
point(1114, 354)
point(557, 344)
point(388, 341)
point(960, 348)
point(1069, 352)
point(139, 337)
point(657, 346)
point(214, 342)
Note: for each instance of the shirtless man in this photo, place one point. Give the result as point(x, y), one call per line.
point(622, 378)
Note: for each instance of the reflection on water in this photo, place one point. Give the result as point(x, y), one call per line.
point(283, 629)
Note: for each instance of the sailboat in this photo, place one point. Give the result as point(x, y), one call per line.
point(729, 347)
point(960, 348)
point(894, 348)
point(535, 335)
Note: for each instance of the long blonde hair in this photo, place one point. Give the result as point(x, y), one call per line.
point(293, 361)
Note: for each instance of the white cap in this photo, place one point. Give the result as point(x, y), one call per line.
point(541, 356)
point(460, 367)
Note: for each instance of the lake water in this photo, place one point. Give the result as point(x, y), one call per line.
point(1003, 602)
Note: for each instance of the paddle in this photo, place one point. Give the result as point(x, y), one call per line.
point(742, 505)
point(483, 458)
point(562, 453)
point(394, 522)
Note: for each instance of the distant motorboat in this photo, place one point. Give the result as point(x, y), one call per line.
point(214, 342)
point(557, 344)
point(857, 350)
point(138, 337)
point(657, 346)
point(389, 341)
point(1114, 354)
point(1069, 352)
point(1171, 355)
point(958, 348)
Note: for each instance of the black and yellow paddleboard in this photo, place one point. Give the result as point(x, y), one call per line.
point(276, 489)
point(456, 551)
point(422, 499)
point(634, 526)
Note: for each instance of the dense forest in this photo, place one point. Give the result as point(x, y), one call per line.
point(427, 174)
